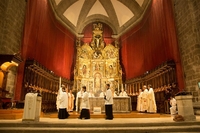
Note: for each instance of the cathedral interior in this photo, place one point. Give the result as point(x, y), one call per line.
point(126, 43)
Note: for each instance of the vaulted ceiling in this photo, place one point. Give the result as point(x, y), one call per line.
point(120, 15)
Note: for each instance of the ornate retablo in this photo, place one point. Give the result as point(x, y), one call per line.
point(97, 63)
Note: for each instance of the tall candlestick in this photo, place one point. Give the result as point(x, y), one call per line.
point(118, 87)
point(60, 82)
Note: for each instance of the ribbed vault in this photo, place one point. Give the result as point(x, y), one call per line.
point(120, 15)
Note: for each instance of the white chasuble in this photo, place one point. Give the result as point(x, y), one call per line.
point(145, 101)
point(152, 102)
point(139, 102)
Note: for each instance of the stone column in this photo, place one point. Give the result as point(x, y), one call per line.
point(185, 107)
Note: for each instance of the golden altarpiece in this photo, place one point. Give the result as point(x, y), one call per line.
point(97, 64)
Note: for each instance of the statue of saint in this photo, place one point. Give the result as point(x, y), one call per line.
point(97, 66)
point(97, 81)
point(84, 70)
point(110, 70)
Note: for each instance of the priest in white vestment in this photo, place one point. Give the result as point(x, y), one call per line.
point(173, 109)
point(70, 101)
point(139, 101)
point(145, 100)
point(152, 102)
point(123, 93)
point(78, 95)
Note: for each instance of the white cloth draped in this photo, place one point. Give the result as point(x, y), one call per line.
point(30, 106)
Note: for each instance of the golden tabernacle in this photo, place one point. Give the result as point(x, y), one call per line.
point(97, 63)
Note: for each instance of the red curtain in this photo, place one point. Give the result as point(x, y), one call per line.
point(46, 41)
point(152, 42)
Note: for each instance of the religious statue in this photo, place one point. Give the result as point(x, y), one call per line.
point(78, 42)
point(110, 70)
point(97, 81)
point(97, 41)
point(116, 44)
point(84, 70)
point(97, 67)
point(97, 26)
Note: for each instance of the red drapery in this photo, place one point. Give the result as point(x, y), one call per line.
point(46, 41)
point(152, 42)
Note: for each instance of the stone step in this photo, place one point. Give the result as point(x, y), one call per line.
point(98, 125)
point(151, 129)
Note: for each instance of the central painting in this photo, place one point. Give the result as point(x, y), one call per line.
point(97, 63)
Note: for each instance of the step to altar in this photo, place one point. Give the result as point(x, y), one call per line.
point(117, 125)
point(18, 114)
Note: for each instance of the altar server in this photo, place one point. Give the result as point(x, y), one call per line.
point(108, 103)
point(63, 99)
point(85, 113)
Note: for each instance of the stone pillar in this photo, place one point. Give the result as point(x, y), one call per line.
point(185, 107)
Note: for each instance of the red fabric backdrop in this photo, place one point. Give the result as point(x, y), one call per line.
point(152, 42)
point(144, 47)
point(46, 41)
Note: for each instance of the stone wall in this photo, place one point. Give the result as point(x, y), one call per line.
point(12, 13)
point(187, 17)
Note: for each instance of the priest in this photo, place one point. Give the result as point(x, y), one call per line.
point(152, 108)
